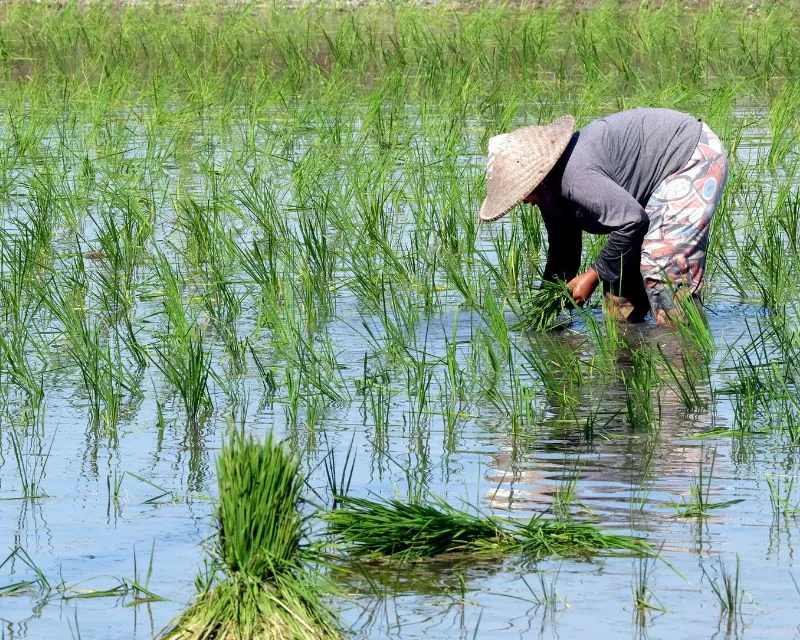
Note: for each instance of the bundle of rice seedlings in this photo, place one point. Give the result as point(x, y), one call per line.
point(411, 530)
point(542, 310)
point(542, 538)
point(381, 527)
point(264, 582)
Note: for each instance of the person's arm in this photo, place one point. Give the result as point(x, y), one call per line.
point(564, 245)
point(618, 211)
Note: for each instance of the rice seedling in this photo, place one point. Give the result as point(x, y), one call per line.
point(265, 374)
point(121, 244)
point(543, 308)
point(564, 496)
point(757, 375)
point(546, 596)
point(15, 363)
point(556, 365)
point(419, 376)
point(693, 327)
point(411, 530)
point(518, 403)
point(783, 121)
point(136, 590)
point(639, 385)
point(725, 585)
point(505, 266)
point(163, 495)
point(105, 377)
point(187, 369)
point(31, 458)
point(20, 260)
point(454, 386)
point(267, 585)
point(542, 538)
point(699, 504)
point(603, 335)
point(782, 499)
point(312, 356)
point(391, 527)
point(171, 282)
point(683, 378)
point(338, 478)
point(643, 597)
point(764, 264)
point(114, 493)
point(39, 579)
point(379, 396)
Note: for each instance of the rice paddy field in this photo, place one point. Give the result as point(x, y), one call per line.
point(254, 220)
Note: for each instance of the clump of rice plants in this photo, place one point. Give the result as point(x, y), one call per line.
point(725, 586)
point(263, 583)
point(541, 311)
point(643, 598)
point(692, 325)
point(411, 530)
point(187, 366)
point(639, 384)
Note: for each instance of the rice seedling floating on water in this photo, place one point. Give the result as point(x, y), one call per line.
point(391, 527)
point(542, 538)
point(263, 582)
point(699, 504)
point(412, 530)
point(542, 310)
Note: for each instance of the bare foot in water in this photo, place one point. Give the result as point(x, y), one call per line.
point(668, 317)
point(663, 318)
point(623, 310)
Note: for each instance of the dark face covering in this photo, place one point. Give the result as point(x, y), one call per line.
point(543, 196)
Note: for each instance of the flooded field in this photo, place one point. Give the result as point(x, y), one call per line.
point(266, 220)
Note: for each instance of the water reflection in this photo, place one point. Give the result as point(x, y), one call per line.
point(586, 457)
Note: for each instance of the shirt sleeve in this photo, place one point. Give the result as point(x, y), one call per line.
point(563, 248)
point(620, 213)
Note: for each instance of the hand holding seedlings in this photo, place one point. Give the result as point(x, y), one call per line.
point(582, 287)
point(542, 309)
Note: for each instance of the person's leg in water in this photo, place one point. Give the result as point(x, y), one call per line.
point(680, 210)
point(630, 302)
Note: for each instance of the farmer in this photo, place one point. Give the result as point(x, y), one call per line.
point(648, 178)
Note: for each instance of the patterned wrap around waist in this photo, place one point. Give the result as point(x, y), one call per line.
point(680, 210)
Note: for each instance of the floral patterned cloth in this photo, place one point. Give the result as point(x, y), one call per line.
point(680, 210)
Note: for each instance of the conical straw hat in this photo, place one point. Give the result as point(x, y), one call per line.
point(518, 161)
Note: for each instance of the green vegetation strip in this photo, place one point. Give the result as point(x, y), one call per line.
point(390, 527)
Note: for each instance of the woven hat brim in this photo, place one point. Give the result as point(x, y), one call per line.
point(518, 161)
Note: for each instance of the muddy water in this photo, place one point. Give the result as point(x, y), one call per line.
point(108, 507)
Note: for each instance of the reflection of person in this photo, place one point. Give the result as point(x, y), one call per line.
point(649, 178)
point(594, 441)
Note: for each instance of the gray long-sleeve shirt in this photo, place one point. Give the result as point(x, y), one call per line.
point(603, 181)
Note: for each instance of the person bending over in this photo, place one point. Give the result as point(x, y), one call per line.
point(648, 178)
